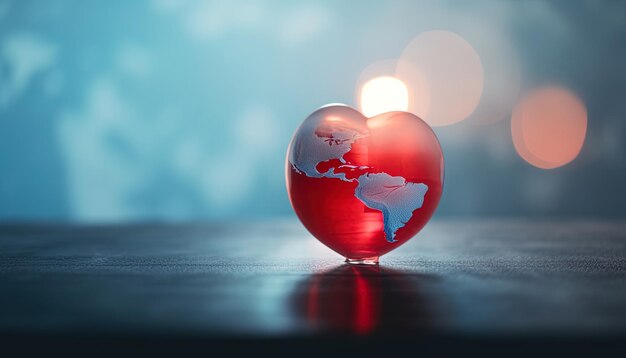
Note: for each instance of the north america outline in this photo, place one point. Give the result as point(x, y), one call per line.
point(394, 196)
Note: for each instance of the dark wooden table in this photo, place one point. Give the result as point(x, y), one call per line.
point(469, 286)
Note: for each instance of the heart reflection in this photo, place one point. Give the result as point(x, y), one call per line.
point(363, 300)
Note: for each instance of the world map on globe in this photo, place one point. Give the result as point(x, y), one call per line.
point(394, 196)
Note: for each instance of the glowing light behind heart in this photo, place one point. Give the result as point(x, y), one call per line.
point(549, 127)
point(384, 94)
point(447, 66)
point(381, 68)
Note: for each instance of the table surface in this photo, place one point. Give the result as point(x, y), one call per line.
point(465, 279)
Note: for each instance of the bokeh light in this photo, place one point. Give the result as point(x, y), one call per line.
point(450, 69)
point(549, 127)
point(383, 94)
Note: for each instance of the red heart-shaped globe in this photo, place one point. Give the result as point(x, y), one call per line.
point(364, 186)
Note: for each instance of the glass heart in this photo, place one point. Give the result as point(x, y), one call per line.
point(364, 186)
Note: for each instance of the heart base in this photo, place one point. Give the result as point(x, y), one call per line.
point(363, 261)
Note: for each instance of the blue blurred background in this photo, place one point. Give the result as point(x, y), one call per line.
point(182, 110)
